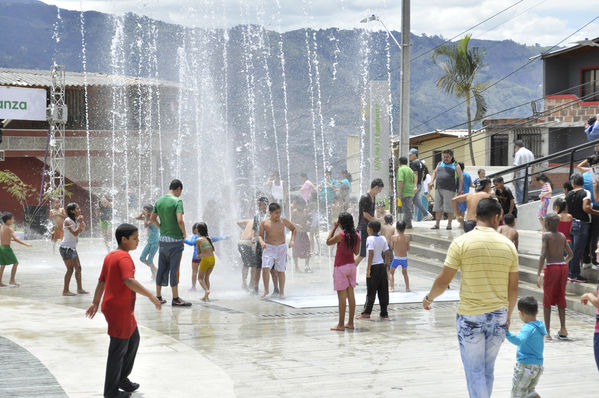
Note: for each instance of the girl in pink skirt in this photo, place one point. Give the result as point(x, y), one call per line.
point(344, 274)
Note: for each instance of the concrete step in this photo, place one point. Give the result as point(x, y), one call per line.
point(436, 247)
point(428, 260)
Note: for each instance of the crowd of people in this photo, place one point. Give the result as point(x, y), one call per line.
point(488, 294)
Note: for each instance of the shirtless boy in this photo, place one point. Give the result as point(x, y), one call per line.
point(555, 277)
point(509, 229)
point(244, 245)
point(57, 215)
point(274, 250)
point(400, 244)
point(387, 229)
point(482, 191)
point(7, 256)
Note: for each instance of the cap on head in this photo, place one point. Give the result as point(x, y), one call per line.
point(414, 151)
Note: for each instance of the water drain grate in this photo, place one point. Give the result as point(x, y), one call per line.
point(222, 309)
point(298, 314)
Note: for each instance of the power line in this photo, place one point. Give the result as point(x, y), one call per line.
point(511, 108)
point(524, 122)
point(511, 73)
point(467, 30)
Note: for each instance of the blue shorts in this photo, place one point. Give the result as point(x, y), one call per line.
point(462, 206)
point(397, 261)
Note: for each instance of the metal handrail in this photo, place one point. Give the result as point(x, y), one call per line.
point(570, 151)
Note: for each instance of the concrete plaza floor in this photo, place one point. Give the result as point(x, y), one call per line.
point(239, 345)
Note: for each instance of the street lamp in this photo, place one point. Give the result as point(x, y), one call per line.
point(375, 18)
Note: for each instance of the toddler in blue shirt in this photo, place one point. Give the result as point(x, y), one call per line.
point(530, 342)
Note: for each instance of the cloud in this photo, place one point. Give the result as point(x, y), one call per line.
point(530, 21)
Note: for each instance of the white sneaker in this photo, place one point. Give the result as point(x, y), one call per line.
point(429, 217)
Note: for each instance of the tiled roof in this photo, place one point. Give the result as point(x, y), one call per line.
point(42, 78)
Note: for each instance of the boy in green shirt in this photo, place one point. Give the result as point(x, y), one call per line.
point(405, 190)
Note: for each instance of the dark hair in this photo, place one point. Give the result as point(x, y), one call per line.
point(175, 184)
point(377, 182)
point(375, 226)
point(7, 216)
point(273, 206)
point(149, 208)
point(528, 305)
point(568, 186)
point(551, 222)
point(519, 143)
point(497, 179)
point(448, 151)
point(124, 231)
point(304, 175)
point(544, 178)
point(263, 199)
point(346, 221)
point(400, 226)
point(203, 231)
point(71, 209)
point(577, 179)
point(593, 159)
point(509, 219)
point(461, 164)
point(388, 219)
point(482, 183)
point(403, 160)
point(481, 171)
point(347, 175)
point(561, 205)
point(487, 208)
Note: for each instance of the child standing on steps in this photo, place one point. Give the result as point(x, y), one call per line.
point(400, 244)
point(529, 366)
point(7, 256)
point(544, 198)
point(555, 277)
point(376, 273)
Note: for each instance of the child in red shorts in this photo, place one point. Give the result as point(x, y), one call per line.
point(118, 285)
point(554, 246)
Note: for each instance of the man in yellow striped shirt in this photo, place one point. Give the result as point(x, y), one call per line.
point(488, 263)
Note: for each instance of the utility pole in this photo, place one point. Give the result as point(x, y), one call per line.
point(404, 129)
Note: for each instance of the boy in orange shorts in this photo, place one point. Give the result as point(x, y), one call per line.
point(555, 275)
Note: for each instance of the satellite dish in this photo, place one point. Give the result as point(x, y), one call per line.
point(587, 42)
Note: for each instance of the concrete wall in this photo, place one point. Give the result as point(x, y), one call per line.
point(563, 72)
point(460, 148)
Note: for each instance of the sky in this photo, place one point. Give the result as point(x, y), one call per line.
point(545, 22)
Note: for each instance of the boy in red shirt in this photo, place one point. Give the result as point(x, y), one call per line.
point(118, 285)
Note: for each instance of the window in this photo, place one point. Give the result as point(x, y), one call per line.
point(589, 89)
point(437, 157)
point(499, 149)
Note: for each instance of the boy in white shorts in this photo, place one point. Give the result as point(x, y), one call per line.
point(271, 236)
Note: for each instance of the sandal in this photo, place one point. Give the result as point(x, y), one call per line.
point(435, 227)
point(448, 228)
point(560, 337)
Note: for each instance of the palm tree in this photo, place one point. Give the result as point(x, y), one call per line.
point(460, 67)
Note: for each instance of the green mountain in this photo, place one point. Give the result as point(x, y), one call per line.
point(345, 60)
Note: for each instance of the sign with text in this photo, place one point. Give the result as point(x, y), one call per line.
point(379, 134)
point(19, 103)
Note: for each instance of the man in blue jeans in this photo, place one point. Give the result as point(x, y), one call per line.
point(488, 294)
point(578, 201)
point(420, 172)
point(169, 210)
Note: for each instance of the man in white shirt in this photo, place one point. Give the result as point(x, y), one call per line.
point(522, 155)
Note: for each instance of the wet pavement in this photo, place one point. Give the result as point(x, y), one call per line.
point(240, 345)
